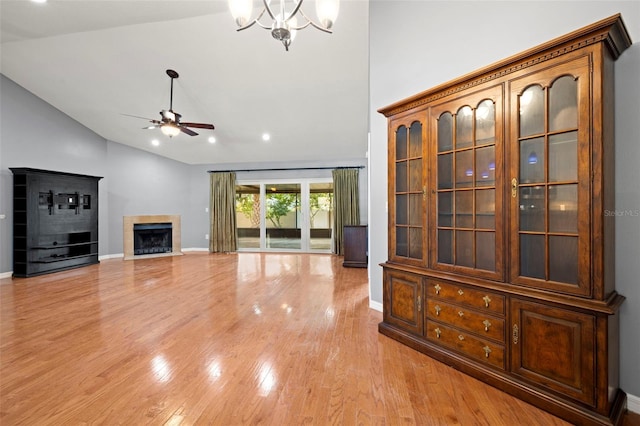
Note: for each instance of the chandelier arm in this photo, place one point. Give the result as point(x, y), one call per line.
point(313, 24)
point(295, 10)
point(301, 27)
point(268, 9)
point(255, 21)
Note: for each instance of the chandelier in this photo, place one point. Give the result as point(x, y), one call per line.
point(284, 23)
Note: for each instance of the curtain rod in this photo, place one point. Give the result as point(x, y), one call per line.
point(283, 169)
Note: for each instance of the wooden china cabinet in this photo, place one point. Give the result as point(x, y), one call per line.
point(501, 256)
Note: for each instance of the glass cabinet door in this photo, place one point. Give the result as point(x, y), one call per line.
point(407, 196)
point(549, 177)
point(466, 182)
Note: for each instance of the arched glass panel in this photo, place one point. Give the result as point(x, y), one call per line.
point(445, 132)
point(401, 143)
point(563, 104)
point(415, 140)
point(485, 123)
point(464, 127)
point(532, 111)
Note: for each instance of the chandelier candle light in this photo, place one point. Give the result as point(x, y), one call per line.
point(284, 24)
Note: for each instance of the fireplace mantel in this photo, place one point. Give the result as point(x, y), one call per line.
point(127, 234)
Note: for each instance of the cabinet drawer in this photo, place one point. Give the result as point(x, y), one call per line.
point(478, 349)
point(480, 299)
point(462, 317)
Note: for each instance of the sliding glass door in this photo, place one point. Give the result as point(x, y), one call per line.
point(285, 215)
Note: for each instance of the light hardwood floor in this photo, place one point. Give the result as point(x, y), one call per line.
point(274, 339)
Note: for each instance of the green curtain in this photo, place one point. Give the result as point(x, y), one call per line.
point(346, 204)
point(224, 231)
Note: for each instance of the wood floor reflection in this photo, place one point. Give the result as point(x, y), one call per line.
point(235, 339)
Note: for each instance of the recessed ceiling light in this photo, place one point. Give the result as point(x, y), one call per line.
point(212, 139)
point(39, 1)
point(266, 137)
point(155, 142)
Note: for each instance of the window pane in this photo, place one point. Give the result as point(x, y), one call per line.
point(248, 215)
point(401, 241)
point(485, 123)
point(532, 256)
point(445, 171)
point(532, 208)
point(415, 243)
point(445, 132)
point(464, 248)
point(532, 161)
point(282, 216)
point(563, 259)
point(320, 215)
point(415, 140)
point(402, 209)
point(563, 208)
point(464, 127)
point(464, 169)
point(445, 246)
point(563, 157)
point(401, 176)
point(486, 251)
point(485, 166)
point(485, 209)
point(464, 209)
point(532, 111)
point(415, 209)
point(445, 209)
point(563, 104)
point(415, 175)
point(401, 143)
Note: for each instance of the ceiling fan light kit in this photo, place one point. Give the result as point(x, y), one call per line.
point(284, 24)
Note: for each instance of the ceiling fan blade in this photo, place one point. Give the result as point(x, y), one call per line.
point(198, 125)
point(188, 131)
point(137, 116)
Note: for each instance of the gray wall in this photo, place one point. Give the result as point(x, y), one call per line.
point(35, 134)
point(417, 45)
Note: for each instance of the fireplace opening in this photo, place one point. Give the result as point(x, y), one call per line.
point(152, 238)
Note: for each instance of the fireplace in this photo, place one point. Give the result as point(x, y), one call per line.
point(151, 236)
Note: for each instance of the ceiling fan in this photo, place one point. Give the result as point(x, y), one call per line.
point(170, 123)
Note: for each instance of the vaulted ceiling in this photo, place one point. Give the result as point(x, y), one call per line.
point(99, 60)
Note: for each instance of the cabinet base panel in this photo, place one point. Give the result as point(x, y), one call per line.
point(51, 271)
point(564, 409)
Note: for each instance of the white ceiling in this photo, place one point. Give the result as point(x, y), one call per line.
point(97, 60)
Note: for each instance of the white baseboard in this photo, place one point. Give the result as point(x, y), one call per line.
point(6, 274)
point(377, 306)
point(633, 403)
point(111, 256)
point(195, 249)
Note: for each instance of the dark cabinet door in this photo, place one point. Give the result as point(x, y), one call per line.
point(403, 295)
point(554, 348)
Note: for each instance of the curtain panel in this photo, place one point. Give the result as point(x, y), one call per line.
point(346, 204)
point(224, 232)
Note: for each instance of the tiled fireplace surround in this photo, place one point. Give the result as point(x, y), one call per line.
point(129, 221)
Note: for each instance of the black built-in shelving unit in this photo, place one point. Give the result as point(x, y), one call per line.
point(55, 221)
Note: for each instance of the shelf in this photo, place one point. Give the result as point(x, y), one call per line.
point(63, 245)
point(62, 258)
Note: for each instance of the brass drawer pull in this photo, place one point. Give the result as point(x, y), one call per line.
point(460, 337)
point(487, 324)
point(460, 314)
point(460, 292)
point(487, 351)
point(437, 288)
point(437, 309)
point(487, 300)
point(438, 331)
